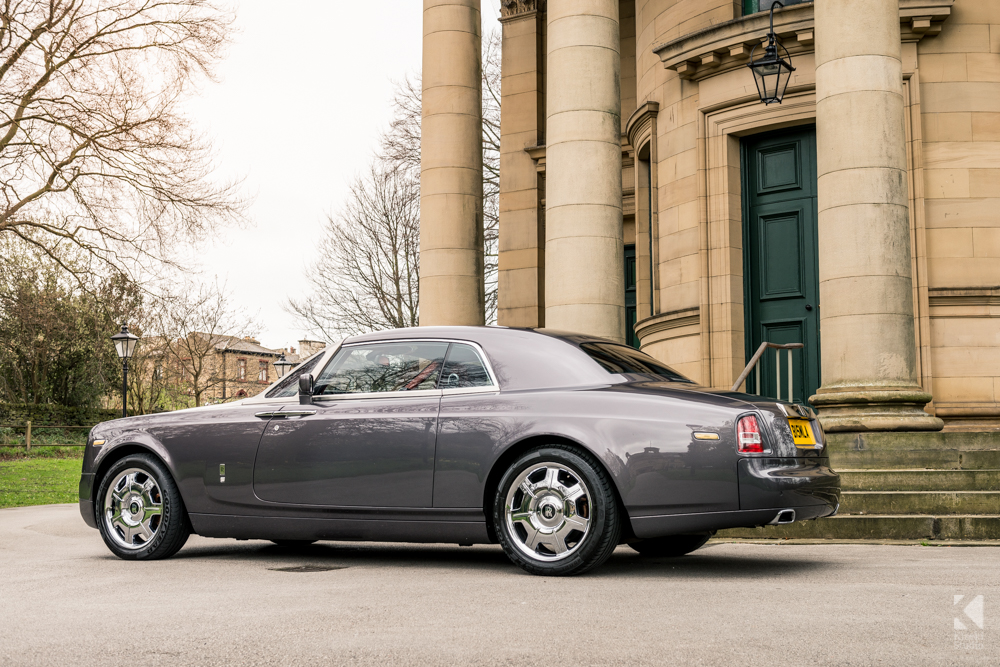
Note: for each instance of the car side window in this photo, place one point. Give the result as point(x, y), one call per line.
point(464, 368)
point(382, 367)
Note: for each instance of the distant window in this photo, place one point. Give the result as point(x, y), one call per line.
point(289, 385)
point(241, 369)
point(383, 367)
point(262, 372)
point(623, 359)
point(631, 312)
point(754, 6)
point(464, 369)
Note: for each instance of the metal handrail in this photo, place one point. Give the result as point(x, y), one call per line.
point(777, 358)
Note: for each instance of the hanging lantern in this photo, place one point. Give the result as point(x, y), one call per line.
point(771, 71)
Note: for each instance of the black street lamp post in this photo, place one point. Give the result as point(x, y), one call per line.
point(771, 72)
point(282, 366)
point(125, 347)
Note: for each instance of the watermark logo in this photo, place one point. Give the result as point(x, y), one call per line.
point(968, 622)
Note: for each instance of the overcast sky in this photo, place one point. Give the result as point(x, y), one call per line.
point(302, 97)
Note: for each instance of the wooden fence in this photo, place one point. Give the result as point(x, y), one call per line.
point(27, 428)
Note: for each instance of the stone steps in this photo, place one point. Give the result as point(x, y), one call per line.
point(907, 486)
point(920, 502)
point(919, 480)
point(881, 527)
point(944, 459)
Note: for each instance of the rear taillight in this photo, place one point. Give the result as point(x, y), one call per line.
point(748, 436)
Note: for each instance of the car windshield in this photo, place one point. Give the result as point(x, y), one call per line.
point(623, 359)
point(289, 385)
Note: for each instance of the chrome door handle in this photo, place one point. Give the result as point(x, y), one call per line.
point(290, 413)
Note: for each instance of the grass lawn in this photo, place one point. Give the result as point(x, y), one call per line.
point(48, 475)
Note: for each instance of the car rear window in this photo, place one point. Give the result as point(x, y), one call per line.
point(623, 359)
point(464, 369)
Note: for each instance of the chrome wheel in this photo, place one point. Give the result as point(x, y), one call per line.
point(133, 508)
point(548, 511)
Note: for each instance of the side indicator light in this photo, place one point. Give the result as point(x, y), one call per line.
point(98, 443)
point(748, 436)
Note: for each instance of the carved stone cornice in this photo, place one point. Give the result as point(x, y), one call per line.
point(512, 9)
point(727, 45)
point(640, 123)
point(969, 297)
point(675, 319)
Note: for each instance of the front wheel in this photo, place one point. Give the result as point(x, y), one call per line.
point(672, 546)
point(555, 512)
point(139, 511)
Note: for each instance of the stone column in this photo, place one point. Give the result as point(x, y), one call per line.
point(521, 278)
point(451, 166)
point(866, 297)
point(584, 263)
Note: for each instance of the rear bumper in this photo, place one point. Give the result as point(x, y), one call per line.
point(769, 487)
point(766, 483)
point(648, 527)
point(86, 499)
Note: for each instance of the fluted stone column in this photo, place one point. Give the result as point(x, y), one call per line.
point(451, 166)
point(584, 262)
point(869, 351)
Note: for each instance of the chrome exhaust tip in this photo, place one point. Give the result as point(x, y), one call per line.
point(783, 517)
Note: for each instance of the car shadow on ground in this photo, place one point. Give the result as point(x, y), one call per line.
point(707, 562)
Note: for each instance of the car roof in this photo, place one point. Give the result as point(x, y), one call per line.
point(521, 358)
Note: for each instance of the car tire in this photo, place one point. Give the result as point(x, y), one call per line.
point(293, 544)
point(555, 512)
point(140, 513)
point(671, 546)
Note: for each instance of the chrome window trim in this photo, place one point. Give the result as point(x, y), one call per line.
point(491, 388)
point(418, 393)
point(462, 391)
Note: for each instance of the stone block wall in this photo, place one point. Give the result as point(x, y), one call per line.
point(959, 73)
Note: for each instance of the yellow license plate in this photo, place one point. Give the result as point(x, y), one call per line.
point(802, 433)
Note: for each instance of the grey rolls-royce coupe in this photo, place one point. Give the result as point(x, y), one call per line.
point(556, 445)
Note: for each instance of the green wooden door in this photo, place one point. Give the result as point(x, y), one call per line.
point(781, 273)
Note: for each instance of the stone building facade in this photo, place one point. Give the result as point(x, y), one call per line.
point(647, 194)
point(242, 367)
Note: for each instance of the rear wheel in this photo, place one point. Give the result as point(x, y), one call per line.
point(671, 546)
point(555, 512)
point(140, 512)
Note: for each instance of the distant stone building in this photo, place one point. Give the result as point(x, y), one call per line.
point(222, 368)
point(244, 367)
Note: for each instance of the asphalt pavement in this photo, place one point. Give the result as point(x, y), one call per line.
point(65, 600)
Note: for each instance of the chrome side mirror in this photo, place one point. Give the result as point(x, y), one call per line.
point(306, 386)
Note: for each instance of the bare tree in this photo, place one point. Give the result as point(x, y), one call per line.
point(95, 153)
point(491, 168)
point(196, 325)
point(366, 278)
